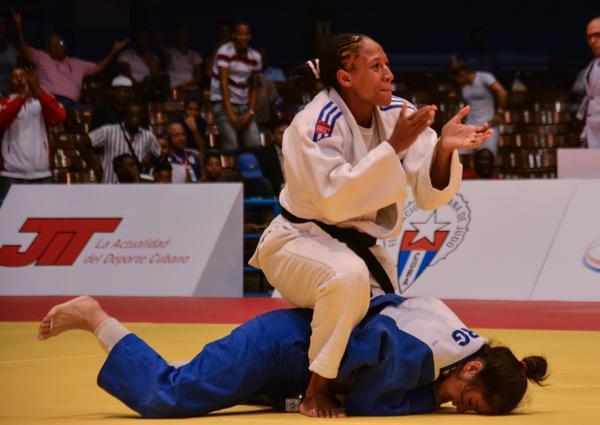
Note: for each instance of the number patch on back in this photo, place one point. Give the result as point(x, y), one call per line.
point(464, 336)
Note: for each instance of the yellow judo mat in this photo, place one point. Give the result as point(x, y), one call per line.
point(54, 382)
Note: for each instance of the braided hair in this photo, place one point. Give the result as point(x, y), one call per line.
point(336, 52)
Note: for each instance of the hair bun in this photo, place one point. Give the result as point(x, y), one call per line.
point(535, 368)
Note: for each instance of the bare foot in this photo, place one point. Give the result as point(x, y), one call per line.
point(79, 313)
point(318, 401)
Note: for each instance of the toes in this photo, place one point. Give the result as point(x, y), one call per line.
point(44, 328)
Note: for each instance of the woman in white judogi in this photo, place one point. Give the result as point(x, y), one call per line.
point(349, 156)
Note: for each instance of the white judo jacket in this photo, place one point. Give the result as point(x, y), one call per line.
point(331, 177)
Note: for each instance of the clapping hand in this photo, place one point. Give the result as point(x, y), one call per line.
point(456, 135)
point(119, 45)
point(408, 128)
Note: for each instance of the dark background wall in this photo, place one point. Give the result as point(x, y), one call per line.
point(554, 32)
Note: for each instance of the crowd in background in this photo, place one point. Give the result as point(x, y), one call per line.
point(234, 109)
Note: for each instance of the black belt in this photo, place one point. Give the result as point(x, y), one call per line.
point(357, 241)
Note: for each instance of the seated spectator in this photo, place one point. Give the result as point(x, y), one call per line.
point(24, 115)
point(213, 169)
point(162, 172)
point(125, 137)
point(111, 111)
point(183, 64)
point(179, 155)
point(193, 124)
point(484, 164)
point(165, 149)
point(271, 157)
point(9, 58)
point(138, 62)
point(142, 66)
point(59, 74)
point(126, 168)
point(255, 186)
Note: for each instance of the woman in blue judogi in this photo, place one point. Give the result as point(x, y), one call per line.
point(407, 356)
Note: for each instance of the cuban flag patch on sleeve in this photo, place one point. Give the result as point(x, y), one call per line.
point(325, 123)
point(397, 102)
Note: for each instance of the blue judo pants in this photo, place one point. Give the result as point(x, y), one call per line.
point(266, 358)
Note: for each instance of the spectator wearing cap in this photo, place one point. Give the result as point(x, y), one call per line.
point(255, 186)
point(184, 65)
point(59, 74)
point(110, 111)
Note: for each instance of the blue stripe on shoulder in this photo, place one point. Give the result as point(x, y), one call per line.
point(315, 135)
point(335, 118)
point(333, 113)
point(396, 105)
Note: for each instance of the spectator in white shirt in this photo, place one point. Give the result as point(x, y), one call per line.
point(183, 64)
point(125, 137)
point(25, 152)
point(138, 62)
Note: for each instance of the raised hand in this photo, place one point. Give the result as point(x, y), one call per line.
point(456, 135)
point(119, 45)
point(408, 128)
point(32, 82)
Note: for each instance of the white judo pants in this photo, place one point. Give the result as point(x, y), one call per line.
point(313, 270)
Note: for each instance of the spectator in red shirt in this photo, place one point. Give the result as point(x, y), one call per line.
point(24, 150)
point(59, 74)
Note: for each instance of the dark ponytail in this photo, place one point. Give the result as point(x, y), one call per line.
point(503, 378)
point(536, 368)
point(336, 52)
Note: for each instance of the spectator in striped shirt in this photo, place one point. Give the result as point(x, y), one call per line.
point(59, 74)
point(234, 89)
point(25, 152)
point(125, 137)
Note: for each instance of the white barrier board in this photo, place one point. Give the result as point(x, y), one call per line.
point(511, 240)
point(152, 240)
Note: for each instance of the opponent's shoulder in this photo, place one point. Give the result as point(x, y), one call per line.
point(319, 118)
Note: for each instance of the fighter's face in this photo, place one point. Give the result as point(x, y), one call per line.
point(370, 76)
point(471, 400)
point(459, 389)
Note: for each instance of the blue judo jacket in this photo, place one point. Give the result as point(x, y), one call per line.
point(392, 360)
